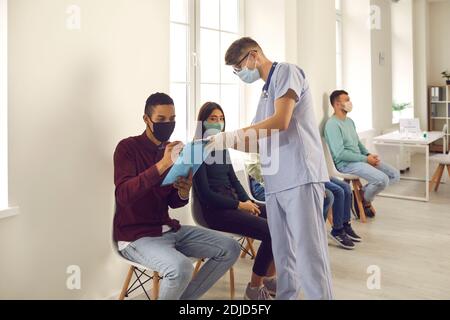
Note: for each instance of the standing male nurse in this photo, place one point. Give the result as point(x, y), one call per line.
point(295, 193)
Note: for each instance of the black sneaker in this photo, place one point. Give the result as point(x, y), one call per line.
point(342, 240)
point(352, 234)
point(369, 212)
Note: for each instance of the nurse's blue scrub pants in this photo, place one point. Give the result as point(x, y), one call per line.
point(299, 243)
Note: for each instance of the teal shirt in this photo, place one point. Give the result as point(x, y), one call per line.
point(344, 142)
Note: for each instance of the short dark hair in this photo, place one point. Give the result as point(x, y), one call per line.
point(205, 112)
point(335, 96)
point(157, 99)
point(239, 48)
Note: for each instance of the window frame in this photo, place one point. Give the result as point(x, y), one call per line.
point(198, 82)
point(193, 100)
point(3, 105)
point(190, 76)
point(5, 210)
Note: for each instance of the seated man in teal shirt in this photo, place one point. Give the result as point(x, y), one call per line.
point(351, 156)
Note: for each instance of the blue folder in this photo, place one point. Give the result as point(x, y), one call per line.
point(191, 158)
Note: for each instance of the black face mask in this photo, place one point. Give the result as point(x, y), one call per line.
point(163, 130)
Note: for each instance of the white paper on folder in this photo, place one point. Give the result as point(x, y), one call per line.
point(191, 157)
point(410, 128)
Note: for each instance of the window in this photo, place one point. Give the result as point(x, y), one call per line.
point(402, 61)
point(3, 107)
point(339, 54)
point(180, 69)
point(201, 32)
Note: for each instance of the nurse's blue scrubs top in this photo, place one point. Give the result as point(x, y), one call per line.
point(297, 158)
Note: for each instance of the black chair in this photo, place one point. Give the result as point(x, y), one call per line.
point(245, 243)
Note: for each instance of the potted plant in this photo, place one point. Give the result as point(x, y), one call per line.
point(446, 75)
point(399, 107)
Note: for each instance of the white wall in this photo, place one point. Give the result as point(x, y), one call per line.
point(292, 30)
point(439, 41)
point(382, 70)
point(421, 59)
point(289, 31)
point(264, 22)
point(3, 106)
point(357, 72)
point(72, 96)
point(402, 52)
point(431, 50)
point(317, 51)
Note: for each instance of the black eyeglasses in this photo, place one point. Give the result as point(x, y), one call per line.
point(238, 69)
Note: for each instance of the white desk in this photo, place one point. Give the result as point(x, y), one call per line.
point(396, 140)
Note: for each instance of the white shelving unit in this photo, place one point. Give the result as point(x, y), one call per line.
point(439, 112)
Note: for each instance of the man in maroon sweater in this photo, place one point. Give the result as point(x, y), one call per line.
point(143, 229)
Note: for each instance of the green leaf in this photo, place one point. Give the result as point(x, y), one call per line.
point(397, 107)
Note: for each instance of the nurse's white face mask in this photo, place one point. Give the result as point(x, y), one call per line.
point(247, 75)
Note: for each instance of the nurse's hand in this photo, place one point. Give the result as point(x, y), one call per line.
point(249, 207)
point(225, 140)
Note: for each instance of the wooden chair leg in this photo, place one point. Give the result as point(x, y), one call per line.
point(359, 201)
point(434, 179)
point(330, 216)
point(439, 178)
point(251, 247)
point(360, 187)
point(126, 283)
point(232, 289)
point(244, 252)
point(155, 288)
point(248, 248)
point(198, 265)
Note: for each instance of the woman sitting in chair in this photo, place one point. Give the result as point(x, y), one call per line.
point(228, 208)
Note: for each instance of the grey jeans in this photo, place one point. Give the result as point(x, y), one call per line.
point(378, 178)
point(170, 255)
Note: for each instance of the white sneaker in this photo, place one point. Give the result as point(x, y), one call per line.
point(257, 293)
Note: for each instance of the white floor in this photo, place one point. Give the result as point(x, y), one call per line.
point(408, 241)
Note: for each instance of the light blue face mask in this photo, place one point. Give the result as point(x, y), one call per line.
point(249, 76)
point(213, 128)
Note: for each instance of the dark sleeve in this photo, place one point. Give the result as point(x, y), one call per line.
point(175, 201)
point(131, 187)
point(236, 184)
point(208, 196)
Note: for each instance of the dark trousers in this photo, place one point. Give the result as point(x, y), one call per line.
point(342, 202)
point(247, 225)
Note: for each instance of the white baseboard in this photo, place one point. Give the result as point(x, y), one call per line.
point(9, 212)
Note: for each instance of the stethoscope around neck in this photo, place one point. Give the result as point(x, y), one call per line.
point(265, 90)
